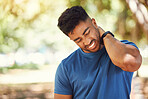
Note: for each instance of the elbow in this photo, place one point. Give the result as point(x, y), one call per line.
point(133, 64)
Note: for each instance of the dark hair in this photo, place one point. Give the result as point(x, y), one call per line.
point(70, 18)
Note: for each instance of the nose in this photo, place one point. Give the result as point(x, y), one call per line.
point(86, 41)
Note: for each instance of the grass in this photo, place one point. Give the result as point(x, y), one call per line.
point(29, 66)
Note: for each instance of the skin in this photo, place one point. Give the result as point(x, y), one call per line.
point(87, 35)
point(59, 96)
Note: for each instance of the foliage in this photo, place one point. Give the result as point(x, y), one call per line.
point(117, 15)
point(32, 24)
point(25, 21)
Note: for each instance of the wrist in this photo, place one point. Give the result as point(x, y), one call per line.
point(106, 34)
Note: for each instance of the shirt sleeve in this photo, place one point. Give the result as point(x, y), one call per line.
point(62, 83)
point(130, 43)
point(129, 74)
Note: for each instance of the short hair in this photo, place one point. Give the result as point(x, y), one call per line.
point(71, 18)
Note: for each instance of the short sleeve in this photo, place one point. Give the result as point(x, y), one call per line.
point(62, 84)
point(128, 75)
point(130, 43)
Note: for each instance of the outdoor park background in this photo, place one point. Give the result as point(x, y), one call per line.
point(32, 46)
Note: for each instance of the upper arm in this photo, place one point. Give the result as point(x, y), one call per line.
point(60, 96)
point(133, 58)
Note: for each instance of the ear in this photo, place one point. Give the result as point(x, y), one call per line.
point(94, 22)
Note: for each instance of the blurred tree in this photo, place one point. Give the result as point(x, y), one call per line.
point(140, 15)
point(8, 24)
point(25, 21)
point(22, 21)
point(132, 16)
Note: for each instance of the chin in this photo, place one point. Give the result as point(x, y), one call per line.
point(92, 51)
point(96, 49)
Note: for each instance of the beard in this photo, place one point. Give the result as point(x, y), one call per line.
point(89, 50)
point(96, 40)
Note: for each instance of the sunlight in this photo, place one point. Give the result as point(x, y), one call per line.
point(133, 5)
point(18, 1)
point(32, 45)
point(140, 17)
point(144, 10)
point(31, 9)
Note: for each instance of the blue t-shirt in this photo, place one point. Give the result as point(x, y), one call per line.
point(92, 76)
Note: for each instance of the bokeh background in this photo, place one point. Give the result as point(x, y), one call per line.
point(32, 46)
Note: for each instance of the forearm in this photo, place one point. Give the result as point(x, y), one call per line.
point(127, 57)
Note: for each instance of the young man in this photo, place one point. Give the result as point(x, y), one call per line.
point(101, 68)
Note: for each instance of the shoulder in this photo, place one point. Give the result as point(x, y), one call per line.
point(64, 67)
point(71, 58)
point(69, 61)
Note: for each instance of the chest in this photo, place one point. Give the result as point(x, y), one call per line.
point(84, 74)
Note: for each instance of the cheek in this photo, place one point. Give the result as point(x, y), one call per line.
point(97, 35)
point(81, 45)
point(94, 35)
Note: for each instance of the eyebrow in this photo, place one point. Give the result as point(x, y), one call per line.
point(85, 30)
point(82, 34)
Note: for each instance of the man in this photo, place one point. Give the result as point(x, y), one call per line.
point(101, 68)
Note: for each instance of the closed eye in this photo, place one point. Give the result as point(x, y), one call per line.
point(87, 32)
point(79, 40)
